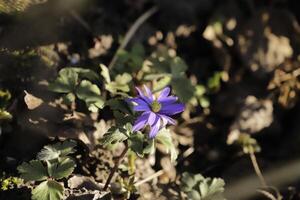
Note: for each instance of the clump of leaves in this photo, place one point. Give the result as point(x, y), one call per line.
point(198, 187)
point(139, 142)
point(53, 163)
point(9, 182)
point(130, 61)
point(77, 82)
point(164, 68)
point(120, 86)
point(5, 96)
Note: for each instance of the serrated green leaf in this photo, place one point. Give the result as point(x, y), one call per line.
point(164, 137)
point(48, 190)
point(87, 90)
point(178, 66)
point(105, 73)
point(183, 88)
point(90, 93)
point(69, 98)
point(61, 169)
point(196, 186)
point(162, 83)
point(114, 135)
point(33, 171)
point(194, 195)
point(5, 115)
point(57, 150)
point(121, 84)
point(85, 73)
point(150, 147)
point(65, 82)
point(136, 143)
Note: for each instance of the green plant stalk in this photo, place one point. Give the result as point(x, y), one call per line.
point(117, 163)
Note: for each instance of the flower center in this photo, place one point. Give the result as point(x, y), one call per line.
point(155, 106)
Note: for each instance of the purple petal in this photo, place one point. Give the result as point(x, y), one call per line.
point(141, 121)
point(152, 118)
point(167, 120)
point(137, 100)
point(141, 108)
point(167, 100)
point(154, 129)
point(164, 93)
point(149, 93)
point(172, 109)
point(145, 98)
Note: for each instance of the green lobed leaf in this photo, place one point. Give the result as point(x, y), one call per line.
point(121, 84)
point(48, 190)
point(136, 143)
point(61, 169)
point(33, 171)
point(85, 73)
point(183, 88)
point(57, 150)
point(90, 93)
point(178, 66)
point(105, 73)
point(196, 186)
point(114, 135)
point(69, 98)
point(65, 82)
point(164, 137)
point(5, 115)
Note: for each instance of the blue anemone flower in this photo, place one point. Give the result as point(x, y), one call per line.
point(156, 112)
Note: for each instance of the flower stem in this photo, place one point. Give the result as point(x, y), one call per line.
point(257, 169)
point(113, 171)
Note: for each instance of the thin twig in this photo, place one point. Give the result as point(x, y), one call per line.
point(131, 32)
point(113, 171)
point(80, 20)
point(257, 169)
point(156, 174)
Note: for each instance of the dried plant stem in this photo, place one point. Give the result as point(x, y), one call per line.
point(113, 171)
point(156, 174)
point(131, 32)
point(257, 169)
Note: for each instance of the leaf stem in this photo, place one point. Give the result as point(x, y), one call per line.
point(117, 163)
point(257, 169)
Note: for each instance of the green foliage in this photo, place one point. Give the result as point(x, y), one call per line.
point(120, 86)
point(72, 82)
point(61, 169)
point(48, 190)
point(114, 135)
point(173, 69)
point(130, 61)
point(33, 171)
point(164, 137)
point(137, 142)
point(90, 94)
point(65, 82)
point(198, 187)
point(214, 82)
point(5, 96)
point(58, 150)
point(53, 163)
point(9, 182)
